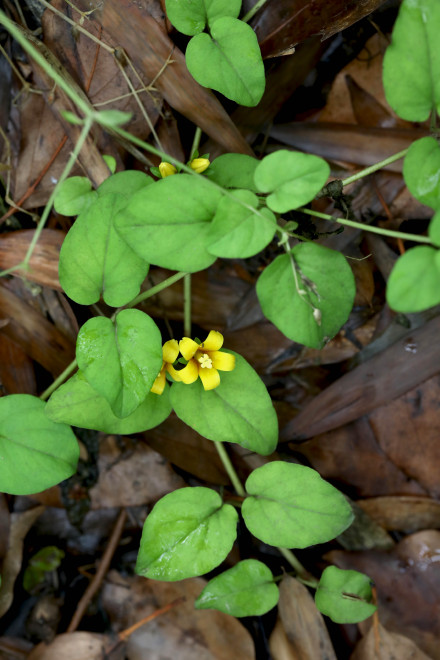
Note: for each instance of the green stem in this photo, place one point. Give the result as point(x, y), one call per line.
point(187, 305)
point(302, 573)
point(233, 476)
point(57, 382)
point(374, 168)
point(375, 230)
point(251, 13)
point(196, 142)
point(152, 292)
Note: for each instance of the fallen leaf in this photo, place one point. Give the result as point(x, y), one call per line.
point(385, 645)
point(403, 513)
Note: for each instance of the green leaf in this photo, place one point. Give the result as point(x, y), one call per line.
point(290, 506)
point(125, 183)
point(327, 285)
point(292, 178)
point(237, 232)
point(188, 533)
point(228, 61)
point(44, 561)
point(414, 283)
point(411, 73)
point(238, 410)
point(72, 118)
point(35, 453)
point(120, 360)
point(94, 259)
point(110, 161)
point(344, 596)
point(113, 118)
point(233, 171)
point(77, 403)
point(191, 16)
point(434, 229)
point(74, 196)
point(167, 224)
point(247, 589)
point(421, 171)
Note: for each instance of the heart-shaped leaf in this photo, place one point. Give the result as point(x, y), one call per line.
point(167, 223)
point(411, 68)
point(344, 596)
point(125, 183)
point(308, 294)
point(290, 506)
point(188, 533)
point(228, 61)
point(421, 171)
point(239, 232)
point(233, 171)
point(414, 283)
point(247, 589)
point(35, 452)
point(120, 360)
point(78, 404)
point(292, 178)
point(239, 410)
point(74, 195)
point(94, 259)
point(191, 16)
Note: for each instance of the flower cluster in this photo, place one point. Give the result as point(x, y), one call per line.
point(204, 360)
point(199, 165)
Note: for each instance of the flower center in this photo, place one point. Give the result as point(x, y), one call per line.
point(205, 361)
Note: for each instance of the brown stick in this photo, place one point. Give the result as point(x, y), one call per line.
point(95, 584)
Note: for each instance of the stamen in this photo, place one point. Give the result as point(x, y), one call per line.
point(205, 361)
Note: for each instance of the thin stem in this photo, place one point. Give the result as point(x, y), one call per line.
point(374, 168)
point(196, 142)
point(187, 305)
point(375, 230)
point(57, 382)
point(298, 567)
point(70, 163)
point(233, 476)
point(257, 6)
point(152, 292)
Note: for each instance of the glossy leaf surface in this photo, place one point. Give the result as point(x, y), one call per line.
point(94, 259)
point(239, 410)
point(411, 74)
point(290, 506)
point(291, 177)
point(236, 232)
point(324, 282)
point(35, 452)
point(188, 533)
point(191, 16)
point(344, 596)
point(74, 195)
point(247, 589)
point(414, 283)
point(120, 360)
point(228, 61)
point(78, 404)
point(167, 223)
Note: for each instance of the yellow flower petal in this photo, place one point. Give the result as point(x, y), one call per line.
point(187, 375)
point(188, 347)
point(199, 164)
point(170, 351)
point(166, 169)
point(210, 378)
point(223, 361)
point(213, 342)
point(159, 384)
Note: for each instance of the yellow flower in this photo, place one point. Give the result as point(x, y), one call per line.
point(170, 351)
point(166, 169)
point(199, 165)
point(204, 360)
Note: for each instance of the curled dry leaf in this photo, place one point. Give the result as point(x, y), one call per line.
point(403, 513)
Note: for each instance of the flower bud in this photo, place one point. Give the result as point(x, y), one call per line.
point(199, 165)
point(166, 169)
